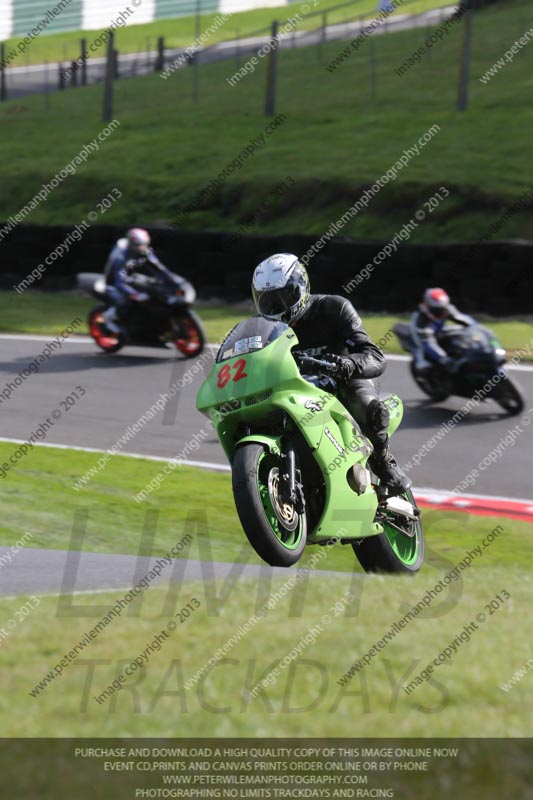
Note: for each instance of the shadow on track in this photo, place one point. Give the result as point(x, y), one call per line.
point(420, 414)
point(64, 362)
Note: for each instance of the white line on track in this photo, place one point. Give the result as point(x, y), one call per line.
point(213, 466)
point(517, 367)
point(111, 589)
point(442, 494)
point(34, 337)
point(27, 337)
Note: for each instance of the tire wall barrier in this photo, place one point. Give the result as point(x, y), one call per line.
point(495, 277)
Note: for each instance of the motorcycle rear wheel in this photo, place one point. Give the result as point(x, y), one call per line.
point(430, 386)
point(273, 527)
point(106, 340)
point(191, 340)
point(392, 552)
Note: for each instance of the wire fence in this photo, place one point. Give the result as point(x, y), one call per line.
point(152, 54)
point(364, 46)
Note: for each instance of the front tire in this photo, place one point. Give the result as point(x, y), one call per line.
point(392, 552)
point(508, 394)
point(275, 530)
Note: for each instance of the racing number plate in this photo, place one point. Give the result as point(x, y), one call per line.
point(234, 373)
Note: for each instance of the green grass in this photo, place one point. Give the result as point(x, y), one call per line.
point(49, 313)
point(464, 699)
point(335, 141)
point(38, 313)
point(39, 498)
point(180, 32)
point(513, 334)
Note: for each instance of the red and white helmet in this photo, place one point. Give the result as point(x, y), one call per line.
point(138, 240)
point(436, 303)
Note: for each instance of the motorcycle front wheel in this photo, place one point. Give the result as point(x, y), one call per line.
point(393, 552)
point(273, 527)
point(509, 395)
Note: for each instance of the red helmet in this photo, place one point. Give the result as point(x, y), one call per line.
point(138, 240)
point(436, 303)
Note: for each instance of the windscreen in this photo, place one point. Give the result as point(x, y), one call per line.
point(251, 334)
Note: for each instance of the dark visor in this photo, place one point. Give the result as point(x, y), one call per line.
point(276, 301)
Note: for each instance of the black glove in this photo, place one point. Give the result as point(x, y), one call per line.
point(345, 366)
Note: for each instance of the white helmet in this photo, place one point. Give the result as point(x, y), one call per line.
point(138, 240)
point(280, 288)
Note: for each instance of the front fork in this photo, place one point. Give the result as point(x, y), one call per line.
point(291, 488)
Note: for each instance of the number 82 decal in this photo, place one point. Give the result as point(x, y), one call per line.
point(224, 376)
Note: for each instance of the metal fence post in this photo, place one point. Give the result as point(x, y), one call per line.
point(159, 64)
point(83, 58)
point(272, 68)
point(74, 74)
point(107, 112)
point(466, 58)
point(196, 62)
point(372, 55)
point(323, 36)
point(61, 83)
point(3, 88)
point(46, 86)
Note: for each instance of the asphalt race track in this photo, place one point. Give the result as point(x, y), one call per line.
point(120, 388)
point(63, 572)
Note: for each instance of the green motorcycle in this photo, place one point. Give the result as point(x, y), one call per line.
point(299, 459)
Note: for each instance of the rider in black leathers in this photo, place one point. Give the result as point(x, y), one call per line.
point(329, 325)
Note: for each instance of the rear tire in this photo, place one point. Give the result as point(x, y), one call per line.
point(392, 552)
point(275, 530)
point(191, 340)
point(509, 395)
point(106, 340)
point(429, 384)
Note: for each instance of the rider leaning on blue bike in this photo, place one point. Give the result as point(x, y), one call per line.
point(328, 326)
point(426, 324)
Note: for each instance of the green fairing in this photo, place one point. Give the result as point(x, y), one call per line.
point(333, 436)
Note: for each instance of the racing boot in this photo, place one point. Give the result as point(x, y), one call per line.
point(392, 481)
point(111, 320)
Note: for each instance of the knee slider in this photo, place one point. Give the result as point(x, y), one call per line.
point(378, 416)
